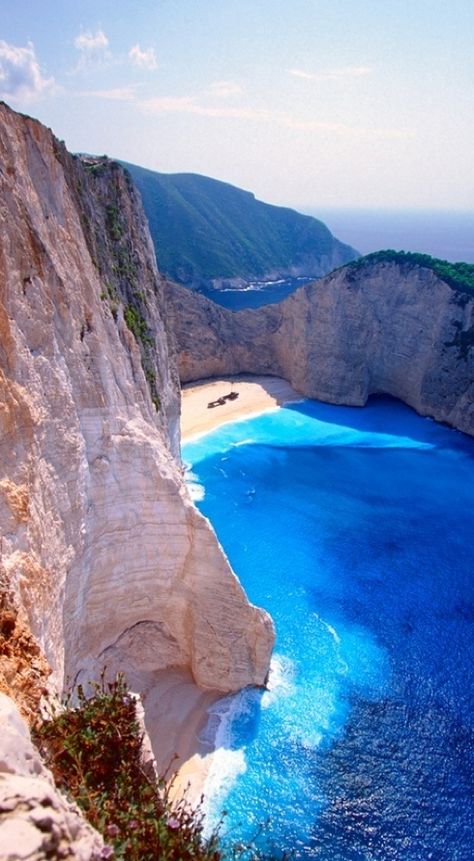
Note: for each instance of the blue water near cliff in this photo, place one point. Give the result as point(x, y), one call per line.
point(256, 293)
point(354, 528)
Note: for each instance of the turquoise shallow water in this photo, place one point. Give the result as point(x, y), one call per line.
point(354, 528)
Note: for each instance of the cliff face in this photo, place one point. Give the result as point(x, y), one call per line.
point(36, 822)
point(391, 328)
point(100, 544)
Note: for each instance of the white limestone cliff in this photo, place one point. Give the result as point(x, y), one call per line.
point(100, 542)
point(375, 327)
point(36, 821)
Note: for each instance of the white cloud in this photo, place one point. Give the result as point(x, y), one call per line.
point(145, 59)
point(190, 105)
point(91, 42)
point(344, 129)
point(193, 105)
point(93, 48)
point(116, 94)
point(300, 73)
point(224, 89)
point(20, 73)
point(332, 74)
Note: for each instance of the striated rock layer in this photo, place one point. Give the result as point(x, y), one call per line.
point(373, 328)
point(100, 543)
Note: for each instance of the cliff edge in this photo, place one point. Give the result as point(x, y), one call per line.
point(377, 326)
point(101, 547)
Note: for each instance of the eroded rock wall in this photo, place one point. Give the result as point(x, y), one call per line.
point(36, 821)
point(389, 328)
point(100, 543)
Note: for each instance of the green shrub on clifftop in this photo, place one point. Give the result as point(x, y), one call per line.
point(460, 276)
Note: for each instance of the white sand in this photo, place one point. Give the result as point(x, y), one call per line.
point(256, 394)
point(175, 714)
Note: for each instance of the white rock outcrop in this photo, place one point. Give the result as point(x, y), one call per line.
point(99, 539)
point(36, 821)
point(103, 556)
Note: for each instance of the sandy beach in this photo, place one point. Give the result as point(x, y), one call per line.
point(255, 395)
point(175, 704)
point(175, 715)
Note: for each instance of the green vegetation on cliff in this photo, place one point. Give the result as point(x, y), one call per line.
point(95, 753)
point(93, 746)
point(108, 231)
point(460, 276)
point(204, 229)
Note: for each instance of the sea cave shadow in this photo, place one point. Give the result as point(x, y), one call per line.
point(384, 414)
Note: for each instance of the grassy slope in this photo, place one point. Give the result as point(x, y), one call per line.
point(204, 229)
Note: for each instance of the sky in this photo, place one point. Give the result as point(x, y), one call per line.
point(307, 103)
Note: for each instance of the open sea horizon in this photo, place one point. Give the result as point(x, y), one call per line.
point(353, 528)
point(448, 235)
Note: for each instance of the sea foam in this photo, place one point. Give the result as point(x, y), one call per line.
point(195, 487)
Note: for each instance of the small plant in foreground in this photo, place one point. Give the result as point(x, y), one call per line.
point(94, 751)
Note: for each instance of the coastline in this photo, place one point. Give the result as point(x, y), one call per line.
point(176, 712)
point(174, 703)
point(256, 394)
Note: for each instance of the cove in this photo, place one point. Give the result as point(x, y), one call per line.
point(353, 528)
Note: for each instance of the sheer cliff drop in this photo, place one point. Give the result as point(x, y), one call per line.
point(108, 555)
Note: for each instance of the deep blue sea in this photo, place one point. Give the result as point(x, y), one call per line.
point(448, 235)
point(256, 294)
point(354, 528)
